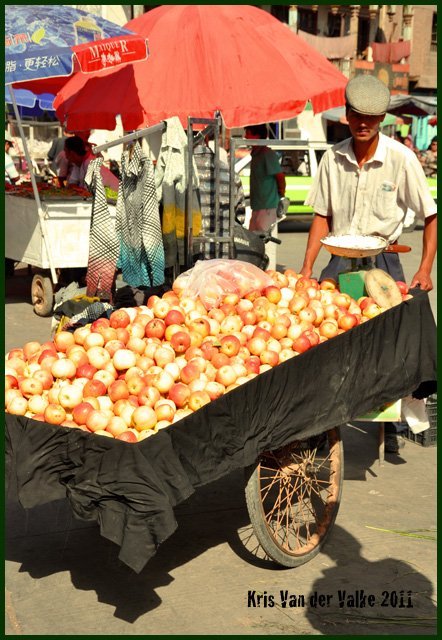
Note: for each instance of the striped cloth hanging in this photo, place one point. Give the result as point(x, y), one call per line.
point(138, 222)
point(103, 241)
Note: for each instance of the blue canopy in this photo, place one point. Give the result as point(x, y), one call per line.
point(30, 100)
point(39, 39)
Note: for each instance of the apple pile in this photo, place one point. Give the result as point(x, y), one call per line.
point(146, 367)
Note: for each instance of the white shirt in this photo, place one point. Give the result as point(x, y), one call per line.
point(10, 171)
point(372, 199)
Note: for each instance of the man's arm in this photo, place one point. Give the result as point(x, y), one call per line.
point(320, 227)
point(429, 248)
point(280, 181)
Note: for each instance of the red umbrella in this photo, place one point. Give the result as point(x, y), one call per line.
point(235, 59)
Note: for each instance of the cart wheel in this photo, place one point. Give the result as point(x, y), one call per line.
point(293, 497)
point(42, 293)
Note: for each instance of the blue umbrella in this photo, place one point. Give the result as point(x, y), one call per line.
point(42, 41)
point(30, 100)
point(45, 44)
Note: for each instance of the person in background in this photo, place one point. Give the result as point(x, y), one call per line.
point(267, 181)
point(429, 159)
point(11, 174)
point(56, 148)
point(79, 155)
point(364, 185)
point(11, 177)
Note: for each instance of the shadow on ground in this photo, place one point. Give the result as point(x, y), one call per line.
point(47, 540)
point(401, 602)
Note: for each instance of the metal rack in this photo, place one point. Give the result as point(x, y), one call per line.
point(212, 127)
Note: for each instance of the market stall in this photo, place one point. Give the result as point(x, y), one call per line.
point(64, 229)
point(130, 490)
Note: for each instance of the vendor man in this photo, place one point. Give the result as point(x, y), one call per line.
point(79, 155)
point(365, 185)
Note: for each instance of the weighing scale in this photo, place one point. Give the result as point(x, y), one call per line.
point(364, 279)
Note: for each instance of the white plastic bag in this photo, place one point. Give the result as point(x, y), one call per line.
point(414, 412)
point(211, 280)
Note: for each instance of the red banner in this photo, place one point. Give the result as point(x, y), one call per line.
point(110, 53)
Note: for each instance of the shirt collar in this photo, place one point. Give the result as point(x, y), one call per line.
point(346, 150)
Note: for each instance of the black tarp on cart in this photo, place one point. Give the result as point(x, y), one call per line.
point(131, 489)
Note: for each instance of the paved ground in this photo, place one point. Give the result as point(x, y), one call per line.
point(63, 578)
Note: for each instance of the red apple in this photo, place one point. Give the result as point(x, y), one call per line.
point(252, 364)
point(174, 316)
point(301, 344)
point(328, 284)
point(116, 426)
point(328, 329)
point(226, 375)
point(54, 414)
point(63, 368)
point(347, 321)
point(189, 372)
point(16, 353)
point(37, 404)
point(118, 390)
point(11, 382)
point(148, 396)
point(144, 418)
point(219, 360)
point(127, 436)
point(94, 388)
point(30, 349)
point(99, 325)
point(180, 394)
point(119, 319)
point(86, 371)
point(96, 420)
point(155, 328)
point(269, 357)
point(256, 345)
point(272, 293)
point(70, 396)
point(81, 411)
point(17, 406)
point(230, 345)
point(135, 384)
point(201, 326)
point(198, 399)
point(403, 288)
point(30, 387)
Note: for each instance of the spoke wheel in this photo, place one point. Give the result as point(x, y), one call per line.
point(293, 496)
point(42, 293)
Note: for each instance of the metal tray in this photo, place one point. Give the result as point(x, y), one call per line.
point(331, 244)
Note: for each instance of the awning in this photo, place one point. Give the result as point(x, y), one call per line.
point(413, 105)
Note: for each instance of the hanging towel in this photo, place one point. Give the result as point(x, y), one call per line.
point(103, 241)
point(171, 184)
point(138, 222)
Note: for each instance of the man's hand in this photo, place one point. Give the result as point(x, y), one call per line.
point(319, 228)
point(306, 272)
point(422, 280)
point(423, 276)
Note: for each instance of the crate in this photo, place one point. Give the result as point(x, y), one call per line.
point(427, 438)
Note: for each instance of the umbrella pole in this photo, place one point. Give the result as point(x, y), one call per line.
point(34, 187)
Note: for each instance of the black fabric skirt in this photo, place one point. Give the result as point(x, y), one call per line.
point(131, 489)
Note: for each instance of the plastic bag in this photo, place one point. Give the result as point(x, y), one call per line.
point(211, 280)
point(415, 413)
